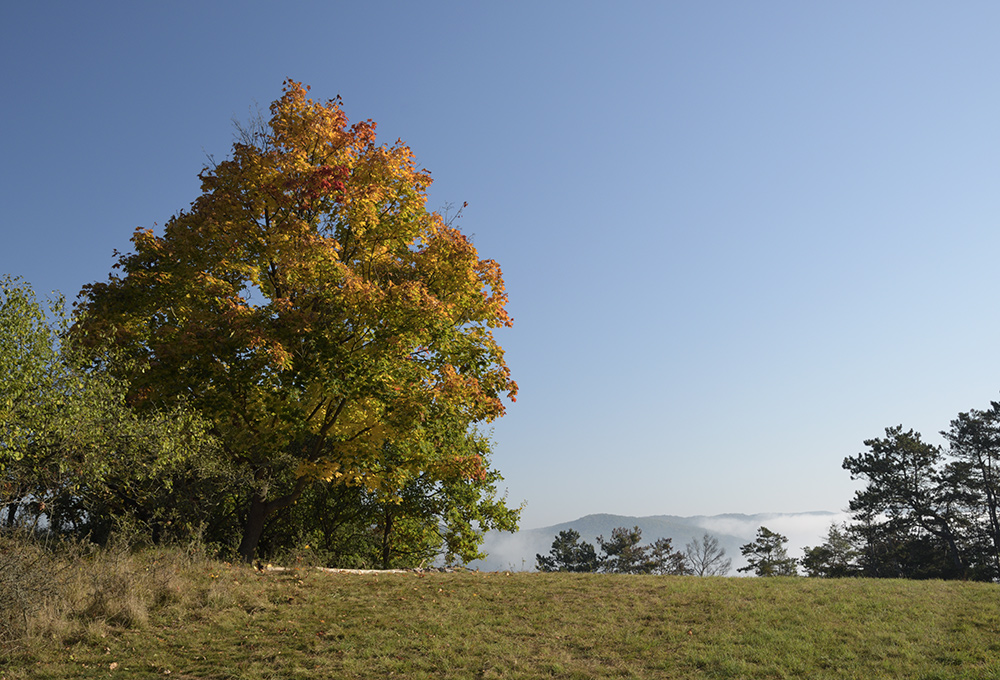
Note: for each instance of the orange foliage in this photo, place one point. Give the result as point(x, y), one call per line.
point(310, 304)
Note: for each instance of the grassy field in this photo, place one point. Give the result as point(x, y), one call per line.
point(168, 614)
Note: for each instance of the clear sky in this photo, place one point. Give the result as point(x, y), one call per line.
point(739, 237)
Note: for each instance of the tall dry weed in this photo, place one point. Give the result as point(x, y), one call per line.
point(26, 581)
point(68, 589)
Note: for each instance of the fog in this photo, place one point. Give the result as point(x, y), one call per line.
point(805, 530)
point(516, 552)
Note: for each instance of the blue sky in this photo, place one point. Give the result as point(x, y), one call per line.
point(739, 238)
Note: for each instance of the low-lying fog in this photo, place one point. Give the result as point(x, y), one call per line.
point(516, 552)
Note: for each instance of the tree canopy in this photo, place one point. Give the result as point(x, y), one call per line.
point(927, 511)
point(27, 356)
point(620, 554)
point(328, 325)
point(766, 555)
point(568, 553)
point(706, 558)
point(623, 554)
point(836, 557)
point(71, 449)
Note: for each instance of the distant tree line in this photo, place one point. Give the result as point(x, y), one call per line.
point(623, 553)
point(925, 511)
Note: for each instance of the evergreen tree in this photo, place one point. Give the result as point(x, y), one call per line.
point(568, 553)
point(837, 557)
point(766, 555)
point(623, 554)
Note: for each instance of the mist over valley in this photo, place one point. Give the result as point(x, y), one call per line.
point(517, 551)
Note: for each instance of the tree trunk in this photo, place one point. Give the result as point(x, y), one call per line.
point(387, 540)
point(254, 527)
point(991, 505)
point(257, 514)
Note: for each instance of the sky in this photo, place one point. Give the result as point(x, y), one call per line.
point(738, 238)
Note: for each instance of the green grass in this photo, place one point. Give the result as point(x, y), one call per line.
point(190, 618)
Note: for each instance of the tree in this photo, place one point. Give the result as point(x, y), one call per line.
point(440, 514)
point(665, 560)
point(766, 555)
point(313, 310)
point(428, 518)
point(102, 463)
point(913, 513)
point(837, 557)
point(974, 440)
point(706, 558)
point(27, 357)
point(71, 450)
point(568, 553)
point(622, 554)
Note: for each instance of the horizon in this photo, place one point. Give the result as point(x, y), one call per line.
point(806, 529)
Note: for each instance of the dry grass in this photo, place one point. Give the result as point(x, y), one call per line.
point(26, 582)
point(69, 589)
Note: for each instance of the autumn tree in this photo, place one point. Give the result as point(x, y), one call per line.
point(568, 553)
point(313, 310)
point(706, 558)
point(766, 555)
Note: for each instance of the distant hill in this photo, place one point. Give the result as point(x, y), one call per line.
point(516, 552)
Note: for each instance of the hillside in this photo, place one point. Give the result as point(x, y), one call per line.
point(204, 620)
point(517, 551)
